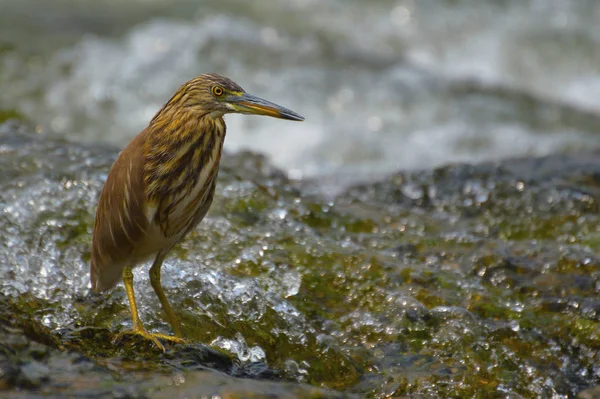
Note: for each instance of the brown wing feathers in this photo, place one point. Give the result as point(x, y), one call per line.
point(120, 219)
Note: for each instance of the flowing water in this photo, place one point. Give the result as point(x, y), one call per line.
point(384, 85)
point(320, 266)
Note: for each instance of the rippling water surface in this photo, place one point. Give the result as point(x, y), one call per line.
point(383, 84)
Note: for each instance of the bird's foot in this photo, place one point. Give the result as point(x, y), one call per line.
point(172, 338)
point(155, 338)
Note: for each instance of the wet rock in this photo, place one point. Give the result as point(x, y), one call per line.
point(208, 384)
point(33, 374)
point(468, 280)
point(29, 367)
point(591, 393)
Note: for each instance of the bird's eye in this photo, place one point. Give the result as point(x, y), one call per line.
point(217, 91)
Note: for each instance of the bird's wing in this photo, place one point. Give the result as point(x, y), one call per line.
point(121, 222)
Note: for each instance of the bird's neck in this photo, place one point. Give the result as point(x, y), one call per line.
point(176, 129)
point(178, 146)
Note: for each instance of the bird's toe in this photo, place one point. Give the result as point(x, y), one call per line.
point(143, 333)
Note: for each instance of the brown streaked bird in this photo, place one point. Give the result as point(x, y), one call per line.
point(163, 183)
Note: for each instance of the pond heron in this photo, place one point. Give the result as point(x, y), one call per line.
point(162, 184)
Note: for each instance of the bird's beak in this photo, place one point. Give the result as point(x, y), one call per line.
point(249, 104)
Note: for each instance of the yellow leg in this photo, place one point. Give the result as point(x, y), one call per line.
point(138, 327)
point(155, 281)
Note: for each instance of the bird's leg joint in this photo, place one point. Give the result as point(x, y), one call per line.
point(127, 275)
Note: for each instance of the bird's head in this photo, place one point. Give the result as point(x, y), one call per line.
point(214, 95)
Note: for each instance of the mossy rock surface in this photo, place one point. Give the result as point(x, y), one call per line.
point(463, 281)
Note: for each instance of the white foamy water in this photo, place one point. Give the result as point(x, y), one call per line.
point(381, 84)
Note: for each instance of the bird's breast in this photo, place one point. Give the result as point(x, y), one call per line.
point(186, 183)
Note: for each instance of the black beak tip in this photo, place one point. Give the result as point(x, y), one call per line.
point(292, 116)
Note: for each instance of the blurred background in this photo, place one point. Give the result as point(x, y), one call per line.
point(384, 85)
